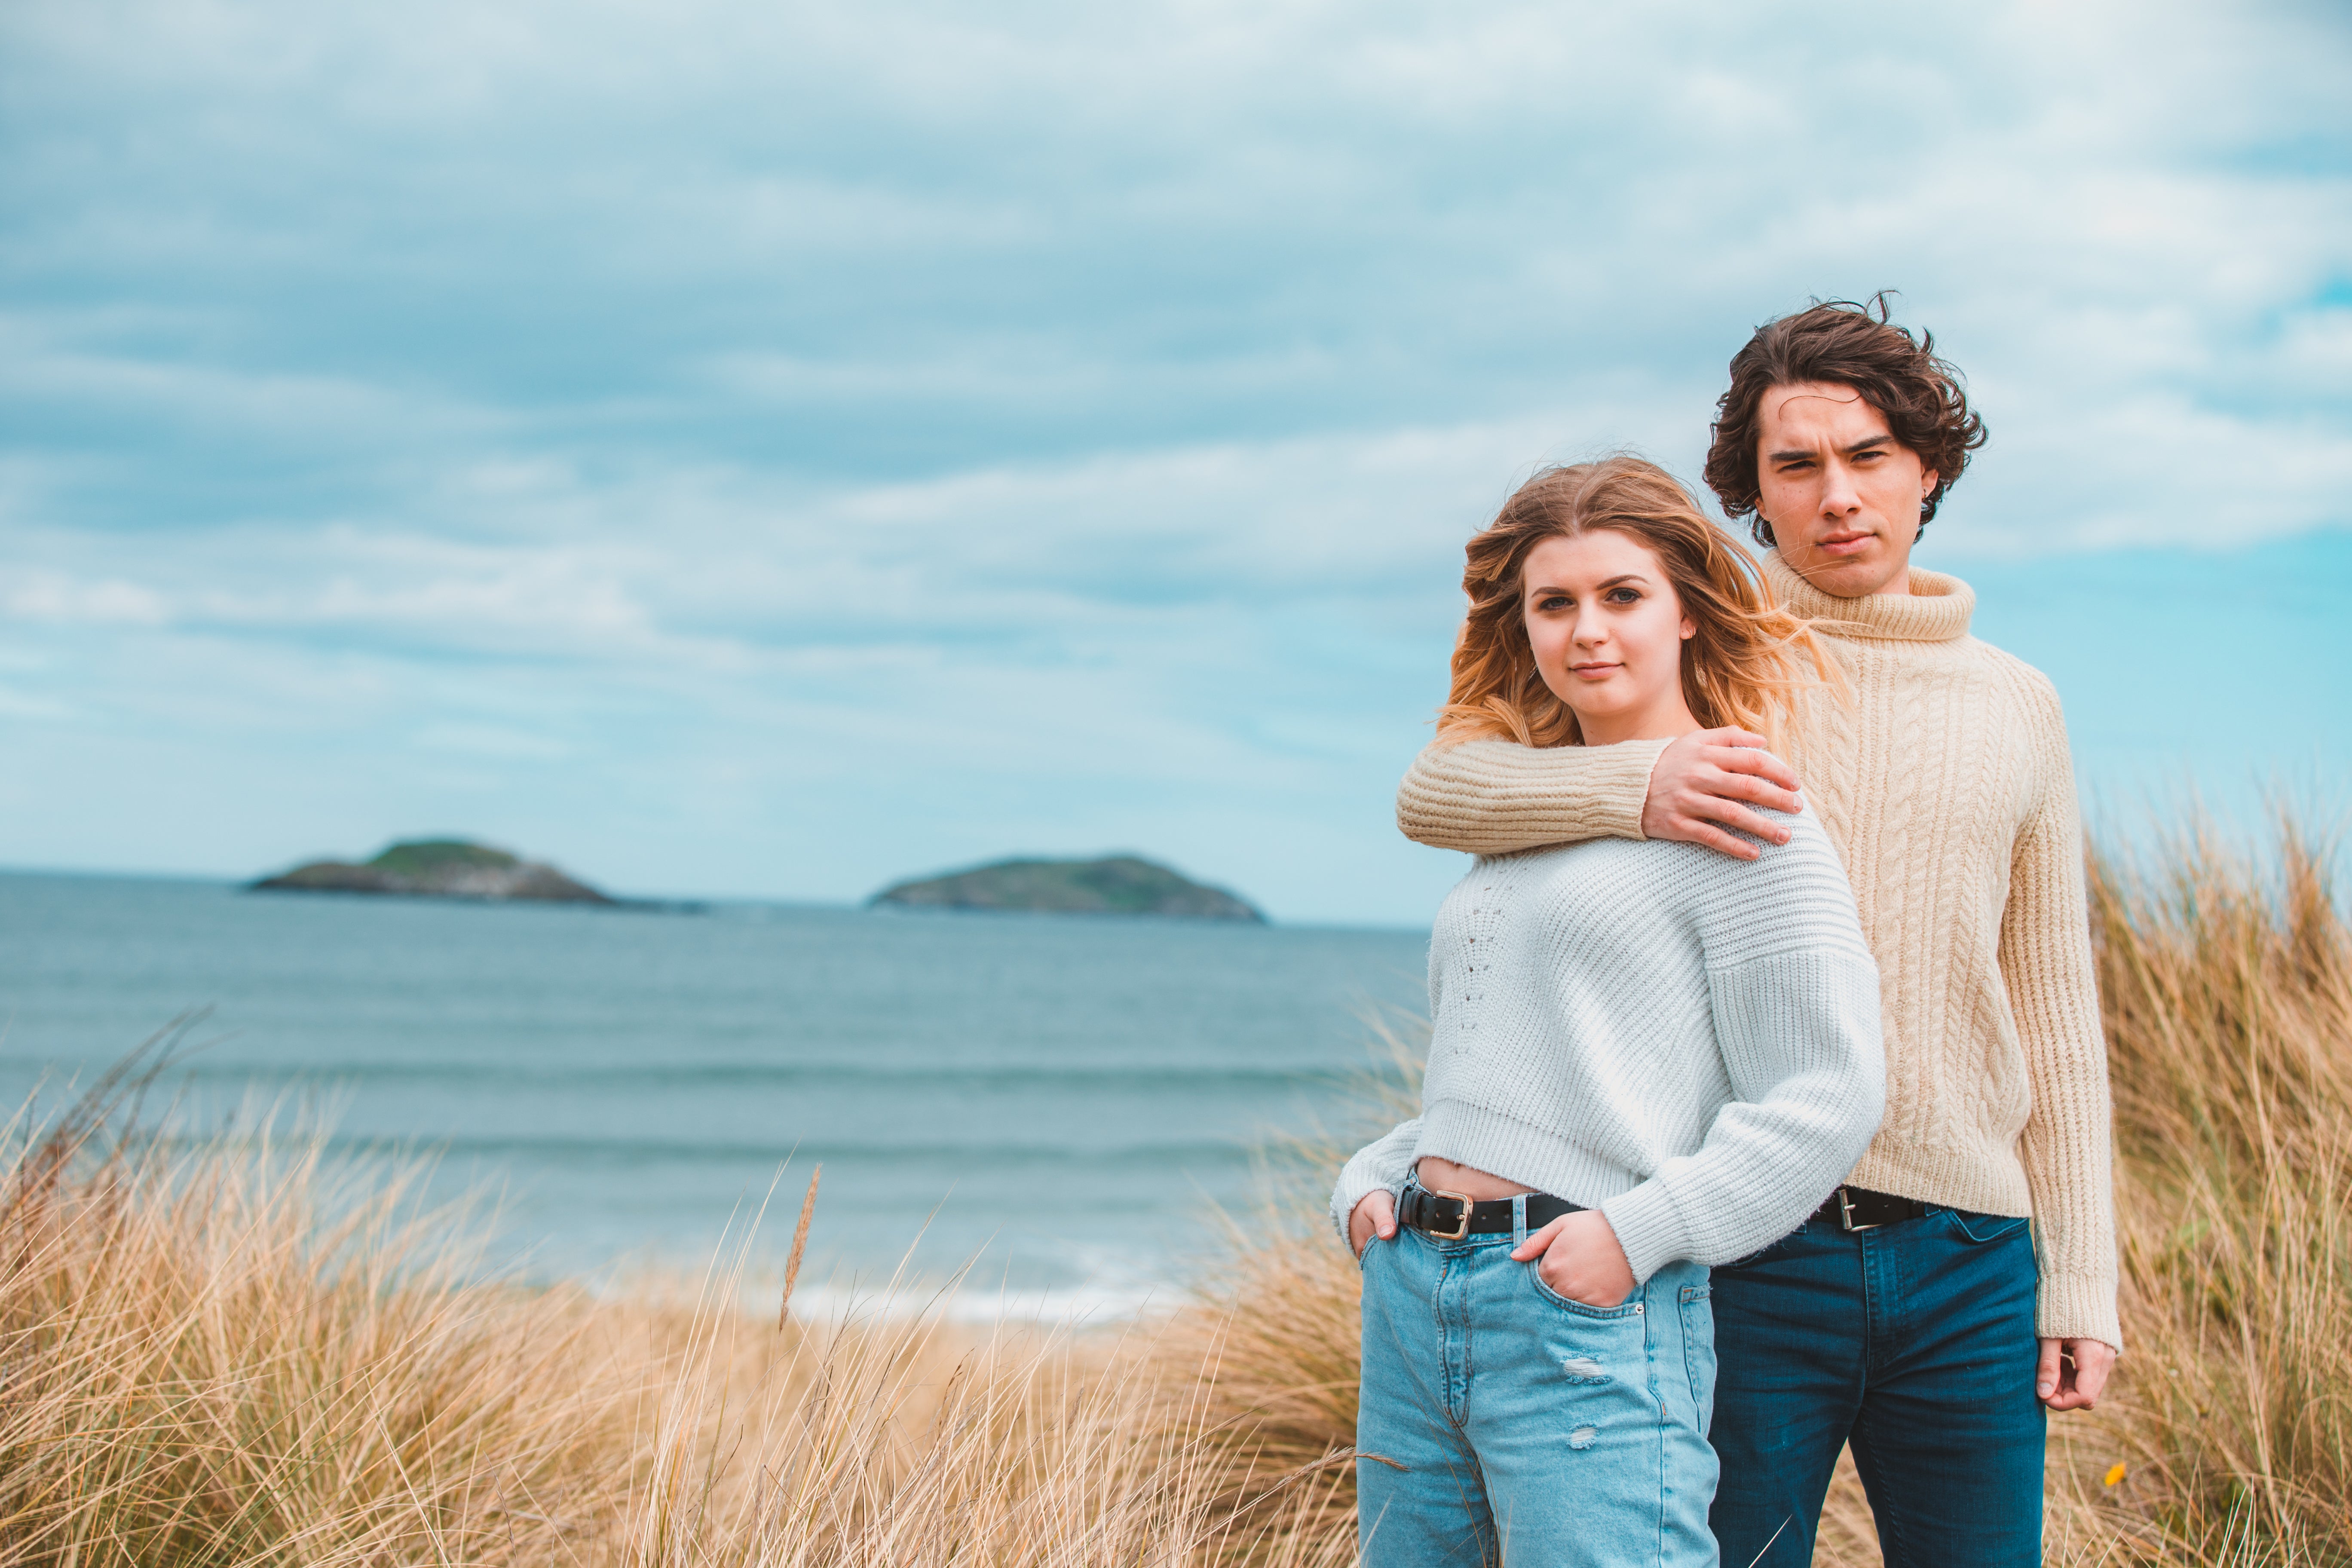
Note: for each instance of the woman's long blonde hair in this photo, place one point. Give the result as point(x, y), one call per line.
point(1743, 666)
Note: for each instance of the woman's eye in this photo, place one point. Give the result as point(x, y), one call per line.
point(1622, 596)
point(1553, 602)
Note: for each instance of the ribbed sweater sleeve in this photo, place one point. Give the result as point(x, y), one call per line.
point(1794, 996)
point(1384, 1162)
point(2046, 960)
point(1492, 797)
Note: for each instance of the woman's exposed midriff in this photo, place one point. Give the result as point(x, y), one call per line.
point(1444, 1176)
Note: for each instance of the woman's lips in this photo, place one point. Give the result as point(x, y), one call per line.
point(1594, 671)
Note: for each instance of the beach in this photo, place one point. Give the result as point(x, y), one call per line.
point(1057, 1102)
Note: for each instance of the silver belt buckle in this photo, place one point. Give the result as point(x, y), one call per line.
point(1846, 1212)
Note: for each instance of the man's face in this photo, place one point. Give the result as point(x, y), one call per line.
point(1842, 497)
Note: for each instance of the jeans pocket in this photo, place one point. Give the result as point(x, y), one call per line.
point(1698, 1350)
point(1983, 1229)
point(1628, 1308)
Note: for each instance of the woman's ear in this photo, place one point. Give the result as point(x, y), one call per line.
point(1690, 628)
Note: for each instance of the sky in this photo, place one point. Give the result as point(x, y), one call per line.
point(773, 449)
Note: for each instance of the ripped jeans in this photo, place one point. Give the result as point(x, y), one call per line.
point(1502, 1423)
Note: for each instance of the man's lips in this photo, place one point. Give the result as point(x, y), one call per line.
point(1846, 541)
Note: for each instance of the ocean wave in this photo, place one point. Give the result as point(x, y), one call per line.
point(749, 1075)
point(995, 1157)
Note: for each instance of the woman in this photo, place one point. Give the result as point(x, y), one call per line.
point(1645, 1059)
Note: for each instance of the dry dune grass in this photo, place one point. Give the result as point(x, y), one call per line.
point(224, 1355)
point(198, 1370)
point(2228, 992)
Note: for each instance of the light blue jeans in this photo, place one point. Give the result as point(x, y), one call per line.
point(1501, 1423)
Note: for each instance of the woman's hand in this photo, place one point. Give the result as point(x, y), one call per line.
point(1581, 1260)
point(1374, 1215)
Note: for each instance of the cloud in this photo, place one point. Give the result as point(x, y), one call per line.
point(37, 595)
point(742, 404)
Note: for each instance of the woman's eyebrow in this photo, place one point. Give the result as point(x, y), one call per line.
point(1534, 589)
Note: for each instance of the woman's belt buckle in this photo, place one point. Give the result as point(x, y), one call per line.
point(1460, 1231)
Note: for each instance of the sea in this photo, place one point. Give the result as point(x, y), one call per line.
point(1062, 1113)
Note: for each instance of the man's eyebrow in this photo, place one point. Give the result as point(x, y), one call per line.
point(1883, 438)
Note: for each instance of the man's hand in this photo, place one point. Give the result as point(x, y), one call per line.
point(1581, 1260)
point(1374, 1215)
point(2072, 1373)
point(1707, 780)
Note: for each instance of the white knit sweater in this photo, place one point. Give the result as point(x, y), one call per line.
point(1686, 1042)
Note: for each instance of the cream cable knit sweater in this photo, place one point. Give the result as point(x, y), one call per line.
point(1686, 1042)
point(1946, 786)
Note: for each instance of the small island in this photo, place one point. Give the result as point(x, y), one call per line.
point(1117, 885)
point(438, 869)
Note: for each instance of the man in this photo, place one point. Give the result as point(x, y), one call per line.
point(1919, 1315)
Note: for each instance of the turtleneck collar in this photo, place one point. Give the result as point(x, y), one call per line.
point(1936, 610)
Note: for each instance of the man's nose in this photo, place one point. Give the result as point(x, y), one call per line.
point(1839, 497)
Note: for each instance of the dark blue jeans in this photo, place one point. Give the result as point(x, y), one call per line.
point(1912, 1342)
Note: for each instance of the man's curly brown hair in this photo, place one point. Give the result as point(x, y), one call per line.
point(1850, 343)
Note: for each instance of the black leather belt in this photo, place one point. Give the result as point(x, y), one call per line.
point(1859, 1208)
point(1450, 1216)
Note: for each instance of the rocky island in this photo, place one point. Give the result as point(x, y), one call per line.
point(437, 869)
point(1117, 885)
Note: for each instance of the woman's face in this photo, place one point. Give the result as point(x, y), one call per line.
point(1607, 632)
